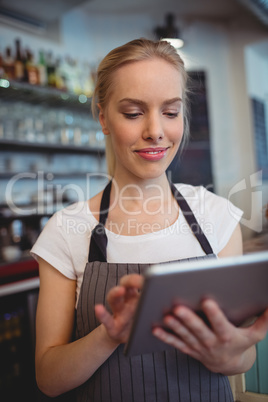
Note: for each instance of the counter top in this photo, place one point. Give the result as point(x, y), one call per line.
point(19, 286)
point(18, 271)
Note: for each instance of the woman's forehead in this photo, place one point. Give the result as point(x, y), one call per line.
point(147, 65)
point(145, 74)
point(146, 78)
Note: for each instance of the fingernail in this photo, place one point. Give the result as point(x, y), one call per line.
point(156, 332)
point(179, 313)
point(209, 304)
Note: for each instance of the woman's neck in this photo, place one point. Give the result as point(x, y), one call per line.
point(133, 195)
point(141, 206)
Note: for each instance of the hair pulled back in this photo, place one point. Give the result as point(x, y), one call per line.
point(134, 51)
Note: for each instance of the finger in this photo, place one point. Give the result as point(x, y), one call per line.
point(182, 332)
point(170, 339)
point(259, 329)
point(131, 294)
point(217, 319)
point(116, 298)
point(132, 281)
point(195, 325)
point(103, 316)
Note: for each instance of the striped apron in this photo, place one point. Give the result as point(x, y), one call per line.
point(168, 376)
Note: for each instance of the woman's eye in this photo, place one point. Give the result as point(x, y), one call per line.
point(131, 115)
point(172, 115)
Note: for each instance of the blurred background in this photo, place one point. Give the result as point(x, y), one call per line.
point(52, 151)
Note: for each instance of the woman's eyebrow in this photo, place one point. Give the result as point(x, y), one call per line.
point(132, 100)
point(140, 102)
point(173, 100)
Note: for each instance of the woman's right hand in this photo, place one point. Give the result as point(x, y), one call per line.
point(122, 300)
point(56, 353)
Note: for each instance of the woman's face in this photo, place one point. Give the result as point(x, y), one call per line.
point(144, 117)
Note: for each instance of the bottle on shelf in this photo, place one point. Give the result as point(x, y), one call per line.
point(59, 78)
point(2, 71)
point(28, 129)
point(87, 83)
point(76, 77)
point(32, 70)
point(8, 64)
point(18, 63)
point(64, 73)
point(67, 73)
point(39, 130)
point(42, 68)
point(51, 70)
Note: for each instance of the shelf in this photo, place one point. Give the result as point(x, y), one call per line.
point(45, 96)
point(7, 216)
point(49, 175)
point(50, 148)
point(17, 271)
point(26, 218)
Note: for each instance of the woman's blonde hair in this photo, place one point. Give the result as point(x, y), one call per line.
point(133, 51)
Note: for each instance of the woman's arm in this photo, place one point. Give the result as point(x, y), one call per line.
point(234, 245)
point(62, 365)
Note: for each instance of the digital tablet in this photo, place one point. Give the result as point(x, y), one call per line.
point(239, 285)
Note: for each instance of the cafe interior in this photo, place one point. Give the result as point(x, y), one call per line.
point(52, 150)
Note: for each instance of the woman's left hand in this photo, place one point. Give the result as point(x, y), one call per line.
point(221, 347)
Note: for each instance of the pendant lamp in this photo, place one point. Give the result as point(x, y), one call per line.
point(170, 33)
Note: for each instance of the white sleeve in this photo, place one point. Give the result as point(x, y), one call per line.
point(52, 246)
point(217, 216)
point(223, 215)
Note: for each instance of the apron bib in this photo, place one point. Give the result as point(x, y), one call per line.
point(168, 376)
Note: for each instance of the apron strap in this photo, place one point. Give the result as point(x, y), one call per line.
point(105, 203)
point(191, 220)
point(98, 242)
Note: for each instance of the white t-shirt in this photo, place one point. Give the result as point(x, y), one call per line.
point(64, 241)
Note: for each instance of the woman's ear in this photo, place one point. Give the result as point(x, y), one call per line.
point(102, 120)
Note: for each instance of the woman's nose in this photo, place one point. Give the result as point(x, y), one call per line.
point(153, 129)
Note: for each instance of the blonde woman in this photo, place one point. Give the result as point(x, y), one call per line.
point(90, 279)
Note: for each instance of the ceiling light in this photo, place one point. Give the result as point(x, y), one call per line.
point(175, 42)
point(170, 33)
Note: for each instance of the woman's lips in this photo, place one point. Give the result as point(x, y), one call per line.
point(152, 154)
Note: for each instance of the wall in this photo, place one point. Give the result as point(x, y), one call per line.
point(219, 50)
point(83, 36)
point(256, 57)
point(95, 35)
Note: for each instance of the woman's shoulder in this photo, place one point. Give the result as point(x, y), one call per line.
point(77, 213)
point(65, 236)
point(204, 201)
point(194, 194)
point(189, 190)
